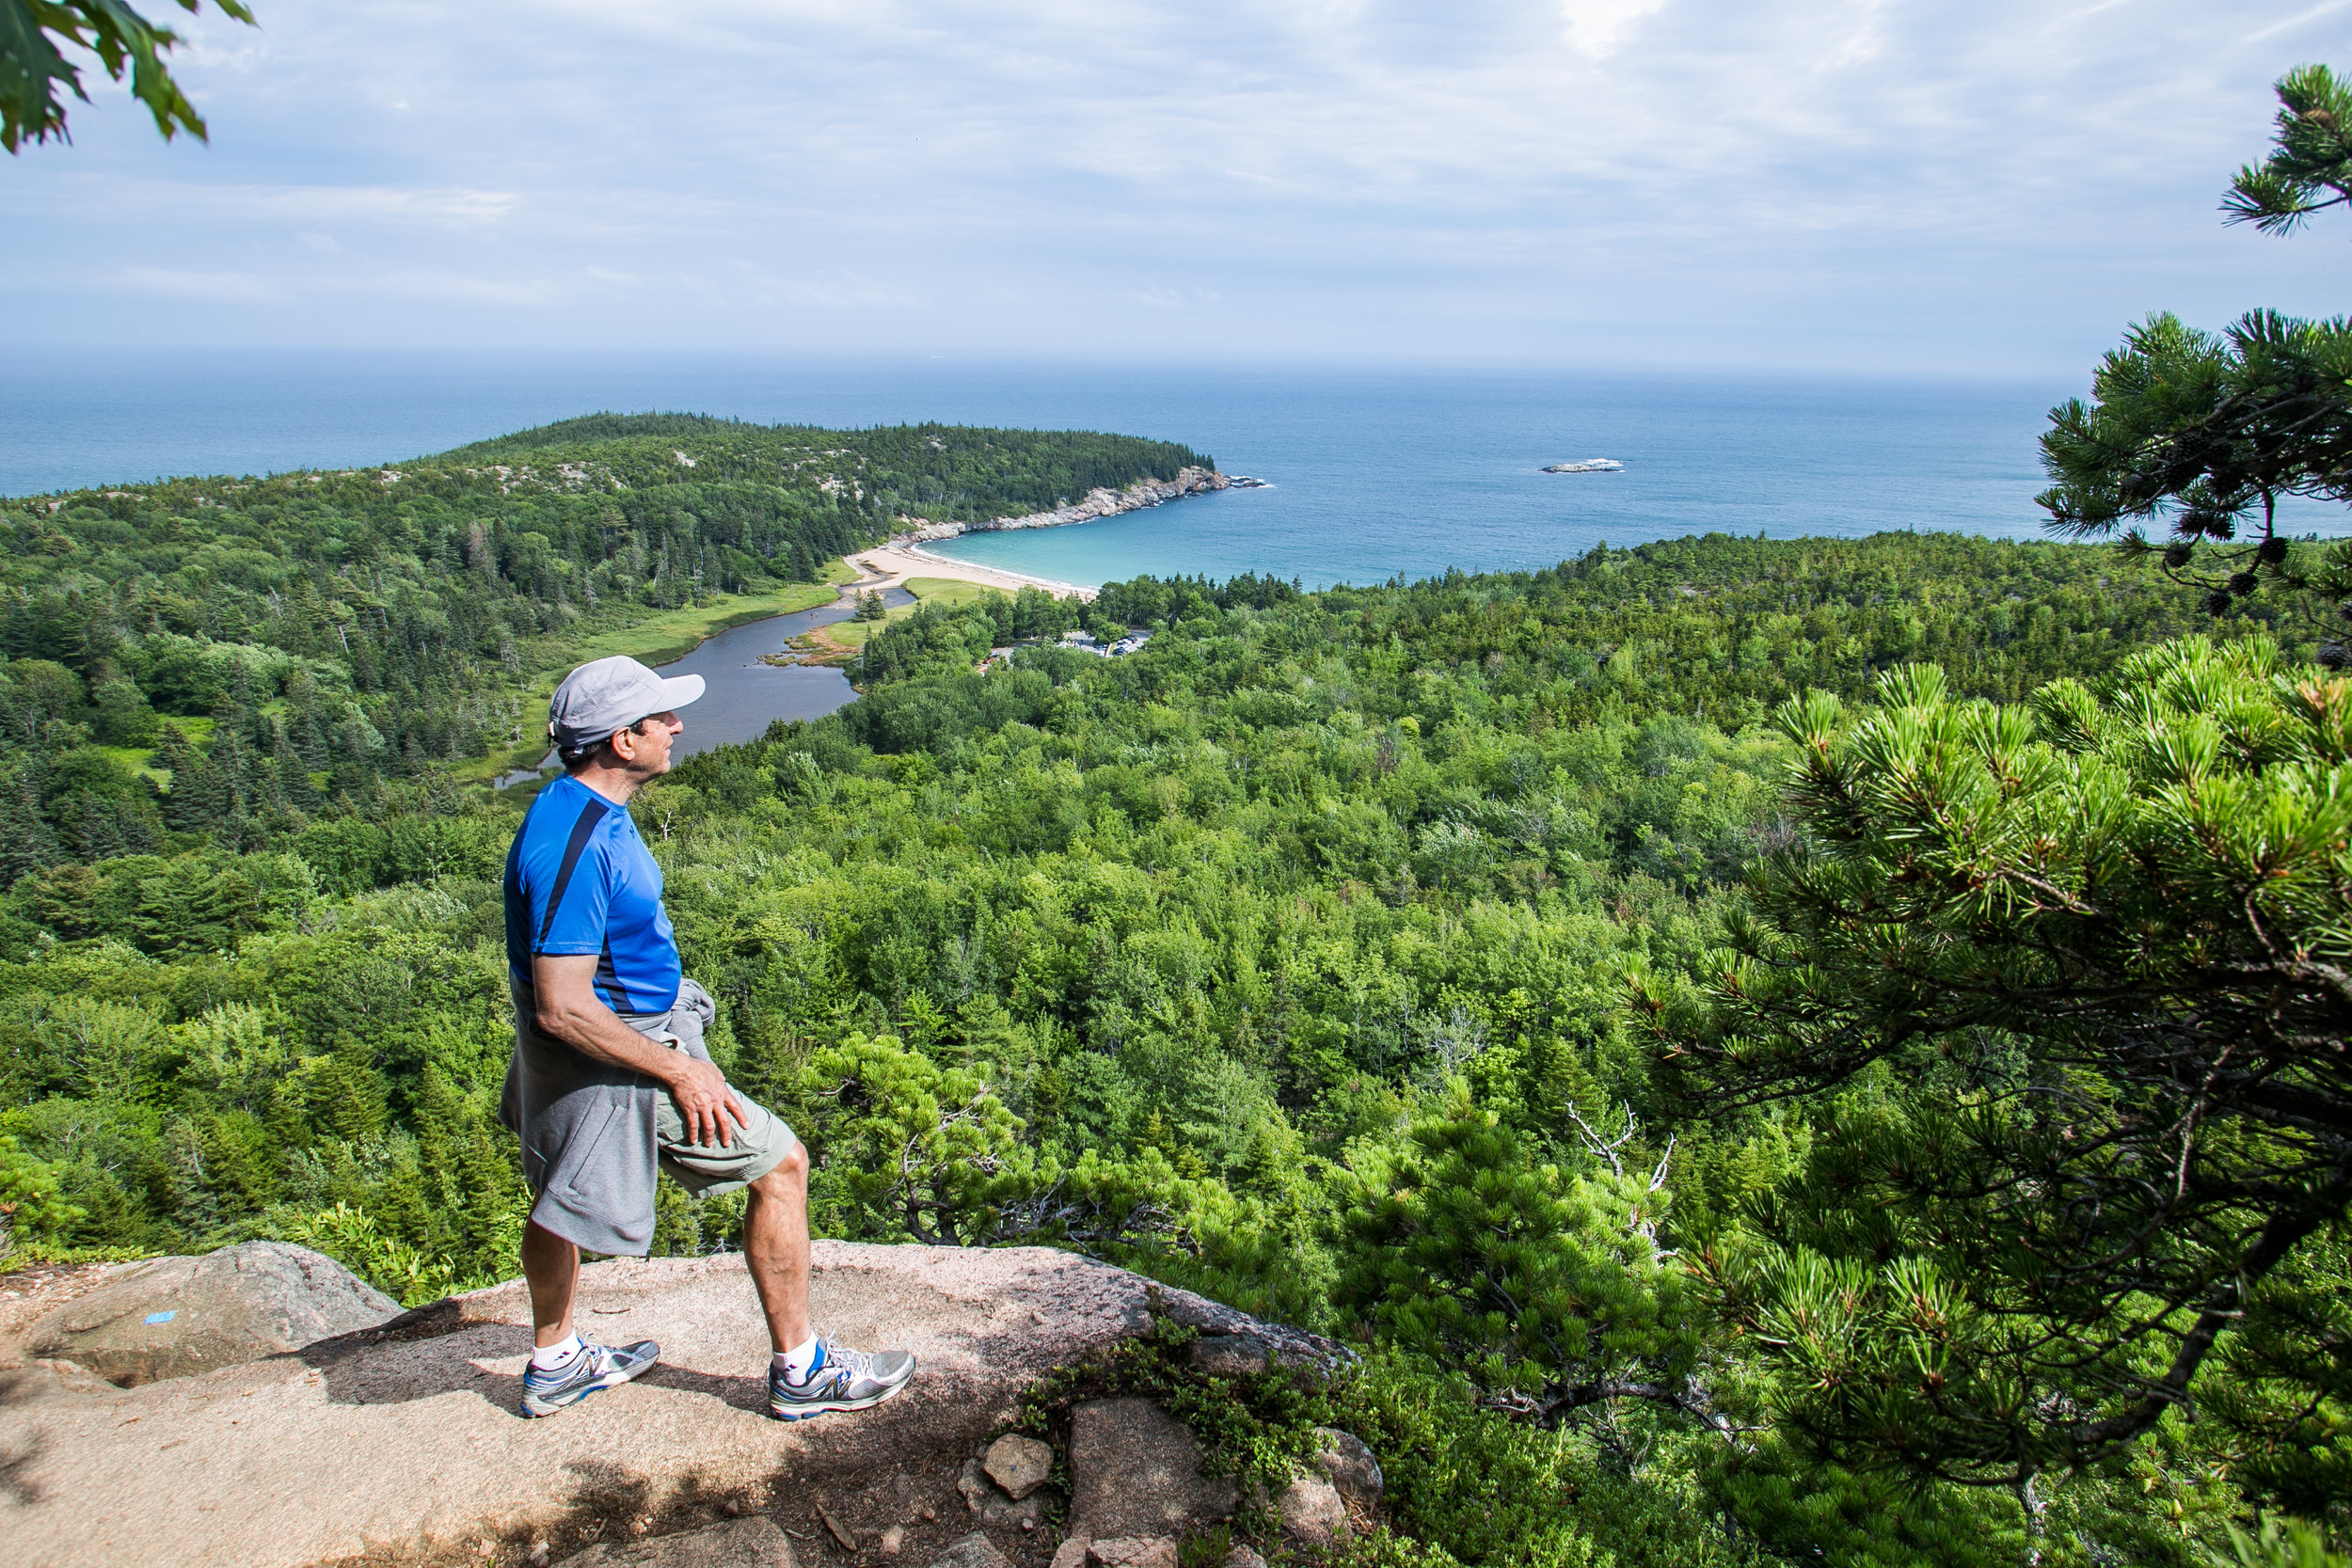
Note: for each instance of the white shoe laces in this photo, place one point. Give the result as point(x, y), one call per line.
point(839, 1360)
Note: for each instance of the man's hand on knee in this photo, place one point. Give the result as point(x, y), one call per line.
point(712, 1112)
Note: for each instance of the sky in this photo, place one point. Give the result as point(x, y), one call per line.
point(1993, 189)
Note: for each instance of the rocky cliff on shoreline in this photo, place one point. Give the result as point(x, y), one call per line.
point(1098, 503)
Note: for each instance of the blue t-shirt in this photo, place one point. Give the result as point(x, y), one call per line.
point(579, 879)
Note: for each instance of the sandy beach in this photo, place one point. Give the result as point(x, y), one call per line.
point(897, 561)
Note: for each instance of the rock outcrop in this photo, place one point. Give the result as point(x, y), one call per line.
point(180, 1317)
point(403, 1441)
point(1100, 502)
point(1135, 1472)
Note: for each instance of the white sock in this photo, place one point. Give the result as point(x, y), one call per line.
point(548, 1357)
point(796, 1363)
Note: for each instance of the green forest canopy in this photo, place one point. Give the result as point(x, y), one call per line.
point(1348, 955)
point(1815, 1050)
point(272, 645)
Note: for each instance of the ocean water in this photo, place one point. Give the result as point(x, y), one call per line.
point(1370, 474)
point(1374, 476)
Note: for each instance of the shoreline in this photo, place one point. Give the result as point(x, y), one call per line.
point(1099, 503)
point(903, 557)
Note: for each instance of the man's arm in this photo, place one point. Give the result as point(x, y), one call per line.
point(570, 1009)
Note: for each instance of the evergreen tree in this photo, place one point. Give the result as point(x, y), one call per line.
point(309, 742)
point(195, 800)
point(2310, 166)
point(292, 775)
point(2284, 1395)
point(231, 767)
point(2204, 433)
point(26, 843)
point(1550, 1290)
point(97, 836)
point(2068, 981)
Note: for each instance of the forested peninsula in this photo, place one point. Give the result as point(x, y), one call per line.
point(264, 651)
point(1659, 1009)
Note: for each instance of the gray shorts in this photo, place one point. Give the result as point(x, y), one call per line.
point(760, 1145)
point(594, 1134)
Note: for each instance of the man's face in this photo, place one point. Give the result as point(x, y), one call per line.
point(646, 748)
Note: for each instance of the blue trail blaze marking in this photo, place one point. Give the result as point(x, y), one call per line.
point(160, 1317)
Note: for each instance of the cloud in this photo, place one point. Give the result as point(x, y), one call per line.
point(460, 288)
point(1175, 299)
point(1596, 26)
point(2289, 24)
point(1890, 183)
point(228, 288)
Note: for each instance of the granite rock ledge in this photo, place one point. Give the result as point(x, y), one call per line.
point(403, 1442)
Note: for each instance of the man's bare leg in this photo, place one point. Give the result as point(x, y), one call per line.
point(775, 1248)
point(551, 1265)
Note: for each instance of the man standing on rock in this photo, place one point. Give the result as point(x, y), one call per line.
point(609, 1079)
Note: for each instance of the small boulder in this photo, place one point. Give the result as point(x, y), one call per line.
point(749, 1543)
point(1312, 1512)
point(1019, 1465)
point(973, 1551)
point(1242, 1557)
point(179, 1317)
point(1071, 1554)
point(1134, 1551)
point(1135, 1472)
point(992, 1506)
point(1349, 1465)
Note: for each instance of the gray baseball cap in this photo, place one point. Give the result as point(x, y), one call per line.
point(610, 694)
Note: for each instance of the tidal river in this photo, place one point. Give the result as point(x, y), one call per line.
point(740, 695)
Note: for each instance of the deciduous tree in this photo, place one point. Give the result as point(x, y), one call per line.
point(35, 72)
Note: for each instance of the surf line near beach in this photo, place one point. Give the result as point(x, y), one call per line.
point(900, 559)
point(903, 553)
